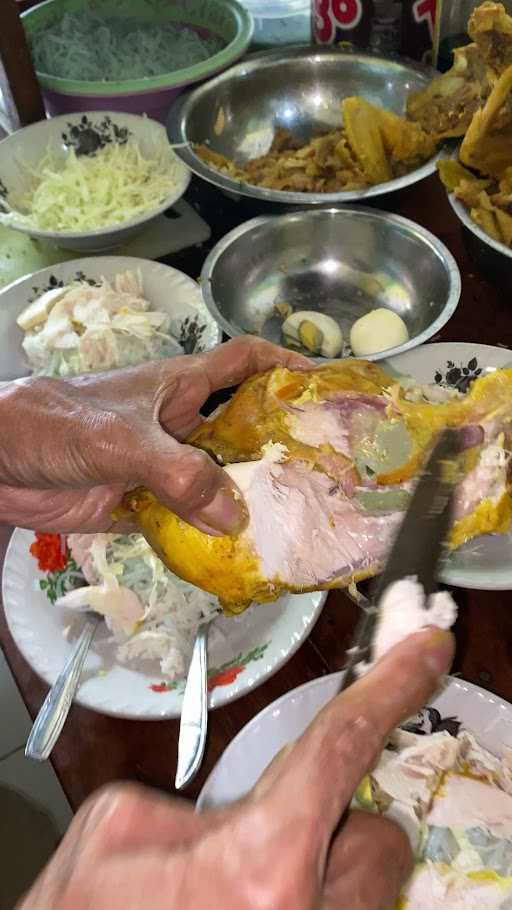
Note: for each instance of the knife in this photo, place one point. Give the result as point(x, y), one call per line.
point(418, 546)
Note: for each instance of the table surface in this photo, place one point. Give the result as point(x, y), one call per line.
point(94, 749)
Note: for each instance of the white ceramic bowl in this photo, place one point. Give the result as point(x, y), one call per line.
point(284, 720)
point(85, 132)
point(167, 290)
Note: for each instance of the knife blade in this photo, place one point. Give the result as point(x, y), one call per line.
point(418, 545)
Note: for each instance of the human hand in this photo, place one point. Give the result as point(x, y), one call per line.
point(71, 448)
point(285, 846)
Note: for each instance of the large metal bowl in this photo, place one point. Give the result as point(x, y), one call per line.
point(299, 89)
point(343, 262)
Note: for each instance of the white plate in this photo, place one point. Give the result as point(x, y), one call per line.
point(246, 651)
point(167, 290)
point(486, 562)
point(282, 722)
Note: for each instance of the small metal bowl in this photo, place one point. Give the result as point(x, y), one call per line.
point(343, 262)
point(492, 258)
point(299, 89)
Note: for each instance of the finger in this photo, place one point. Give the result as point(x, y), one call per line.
point(118, 819)
point(231, 363)
point(189, 482)
point(60, 511)
point(369, 860)
point(126, 816)
point(271, 773)
point(328, 762)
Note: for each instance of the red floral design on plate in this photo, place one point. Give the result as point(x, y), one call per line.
point(50, 551)
point(224, 675)
point(225, 678)
point(160, 687)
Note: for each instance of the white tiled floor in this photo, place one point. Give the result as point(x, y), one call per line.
point(34, 812)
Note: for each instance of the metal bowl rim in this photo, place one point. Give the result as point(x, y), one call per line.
point(177, 119)
point(448, 260)
point(463, 215)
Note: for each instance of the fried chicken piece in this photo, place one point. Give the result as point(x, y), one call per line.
point(490, 27)
point(219, 162)
point(385, 144)
point(489, 203)
point(373, 147)
point(446, 106)
point(487, 145)
point(365, 137)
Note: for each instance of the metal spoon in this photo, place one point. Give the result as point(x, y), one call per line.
point(52, 716)
point(194, 712)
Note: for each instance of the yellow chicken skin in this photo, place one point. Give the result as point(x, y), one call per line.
point(487, 145)
point(447, 106)
point(326, 461)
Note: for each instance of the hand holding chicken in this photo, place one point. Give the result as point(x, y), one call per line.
point(71, 448)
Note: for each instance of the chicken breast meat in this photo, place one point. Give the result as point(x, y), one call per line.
point(326, 461)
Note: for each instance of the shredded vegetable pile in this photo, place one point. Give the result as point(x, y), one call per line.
point(84, 327)
point(90, 192)
point(86, 47)
point(152, 614)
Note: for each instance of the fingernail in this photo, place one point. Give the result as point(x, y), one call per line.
point(225, 513)
point(439, 650)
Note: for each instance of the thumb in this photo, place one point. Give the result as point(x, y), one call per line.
point(189, 482)
point(329, 760)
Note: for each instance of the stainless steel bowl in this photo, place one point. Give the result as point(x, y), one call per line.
point(299, 89)
point(492, 258)
point(343, 262)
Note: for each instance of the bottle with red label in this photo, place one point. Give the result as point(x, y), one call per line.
point(337, 21)
point(387, 26)
point(418, 29)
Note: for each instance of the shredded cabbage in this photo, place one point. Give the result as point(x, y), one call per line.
point(82, 46)
point(90, 192)
point(171, 609)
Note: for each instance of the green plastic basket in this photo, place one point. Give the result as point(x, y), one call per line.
point(226, 19)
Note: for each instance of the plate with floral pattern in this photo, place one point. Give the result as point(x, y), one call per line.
point(245, 651)
point(486, 562)
point(459, 704)
point(166, 289)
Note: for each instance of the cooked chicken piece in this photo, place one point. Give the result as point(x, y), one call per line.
point(490, 27)
point(373, 147)
point(385, 145)
point(325, 461)
point(487, 145)
point(488, 201)
point(446, 106)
